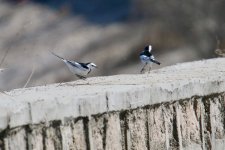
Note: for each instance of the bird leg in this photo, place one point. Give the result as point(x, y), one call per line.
point(59, 84)
point(150, 67)
point(81, 77)
point(143, 68)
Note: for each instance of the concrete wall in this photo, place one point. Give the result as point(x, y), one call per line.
point(177, 107)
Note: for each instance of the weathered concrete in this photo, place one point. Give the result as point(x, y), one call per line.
point(177, 107)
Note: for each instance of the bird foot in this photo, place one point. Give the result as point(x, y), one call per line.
point(81, 77)
point(142, 71)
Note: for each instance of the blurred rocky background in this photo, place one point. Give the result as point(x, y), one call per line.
point(110, 33)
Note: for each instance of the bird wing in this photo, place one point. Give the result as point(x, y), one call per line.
point(144, 58)
point(78, 65)
point(84, 65)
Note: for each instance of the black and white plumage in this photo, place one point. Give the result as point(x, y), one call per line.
point(147, 58)
point(81, 70)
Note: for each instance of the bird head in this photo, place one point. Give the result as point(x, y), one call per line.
point(91, 65)
point(148, 48)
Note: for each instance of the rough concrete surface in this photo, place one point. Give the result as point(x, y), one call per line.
point(177, 107)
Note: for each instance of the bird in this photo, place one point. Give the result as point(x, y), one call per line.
point(219, 52)
point(147, 58)
point(81, 70)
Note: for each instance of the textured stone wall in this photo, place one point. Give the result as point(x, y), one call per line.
point(168, 121)
point(194, 123)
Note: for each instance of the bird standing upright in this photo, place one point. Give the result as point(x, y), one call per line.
point(147, 58)
point(81, 70)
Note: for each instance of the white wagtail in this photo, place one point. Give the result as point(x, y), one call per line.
point(219, 52)
point(81, 70)
point(147, 58)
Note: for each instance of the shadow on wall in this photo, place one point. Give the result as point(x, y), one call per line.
point(95, 11)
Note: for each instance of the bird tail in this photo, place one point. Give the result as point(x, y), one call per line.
point(156, 62)
point(56, 55)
